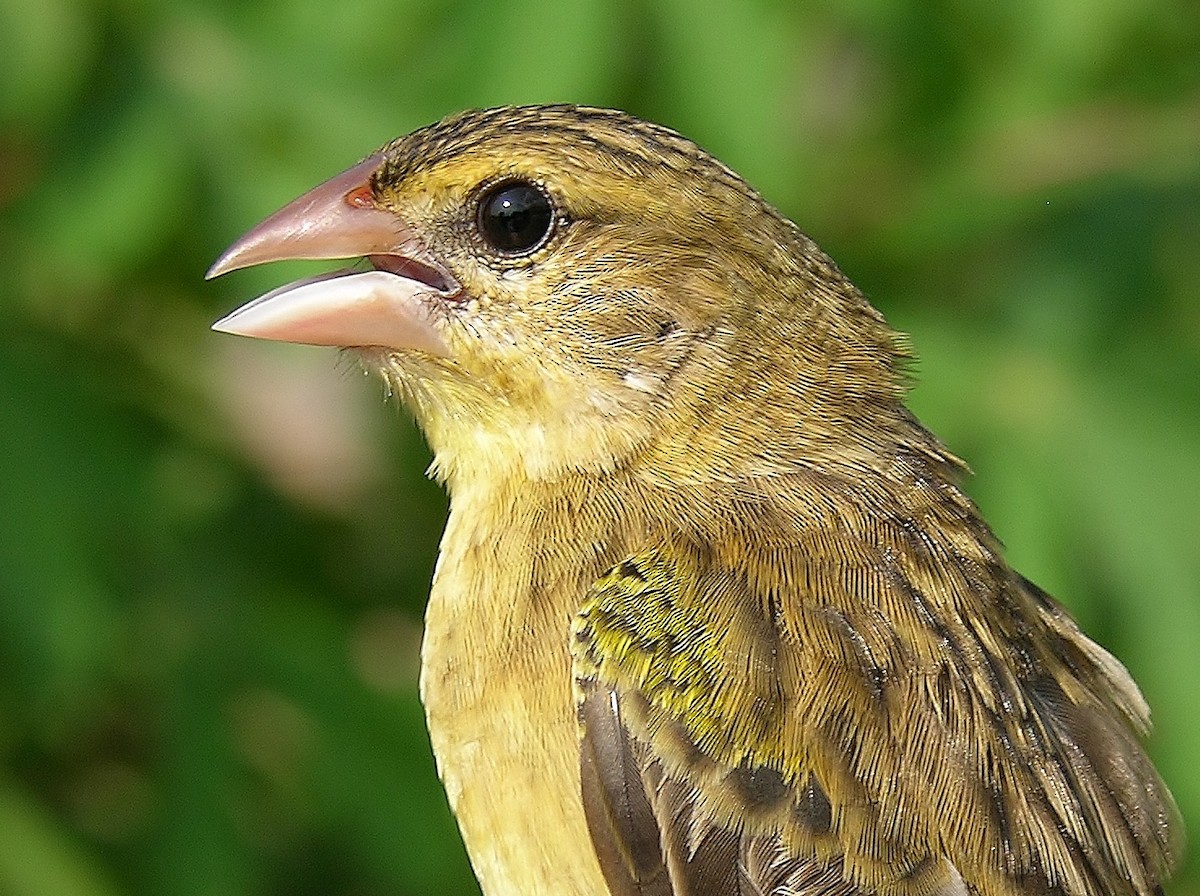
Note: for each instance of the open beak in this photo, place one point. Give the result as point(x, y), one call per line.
point(388, 306)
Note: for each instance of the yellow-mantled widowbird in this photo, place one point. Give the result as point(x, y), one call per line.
point(712, 615)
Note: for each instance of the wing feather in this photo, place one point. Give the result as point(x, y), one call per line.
point(742, 743)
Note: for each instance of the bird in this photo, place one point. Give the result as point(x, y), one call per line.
point(712, 614)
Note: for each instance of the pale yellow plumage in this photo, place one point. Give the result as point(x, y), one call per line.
point(711, 615)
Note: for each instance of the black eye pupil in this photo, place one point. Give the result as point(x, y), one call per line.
point(514, 217)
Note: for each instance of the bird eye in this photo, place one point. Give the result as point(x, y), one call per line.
point(515, 217)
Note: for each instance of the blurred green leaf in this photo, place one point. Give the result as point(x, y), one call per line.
point(40, 858)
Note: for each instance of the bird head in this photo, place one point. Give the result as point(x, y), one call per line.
point(555, 288)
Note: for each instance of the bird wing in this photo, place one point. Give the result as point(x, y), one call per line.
point(740, 738)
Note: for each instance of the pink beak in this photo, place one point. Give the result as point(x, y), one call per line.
point(392, 306)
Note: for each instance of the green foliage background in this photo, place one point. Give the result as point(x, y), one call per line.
point(214, 553)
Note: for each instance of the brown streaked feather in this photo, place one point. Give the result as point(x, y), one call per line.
point(624, 830)
point(620, 781)
point(979, 762)
point(703, 859)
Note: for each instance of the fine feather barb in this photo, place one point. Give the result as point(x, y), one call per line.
point(1047, 789)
